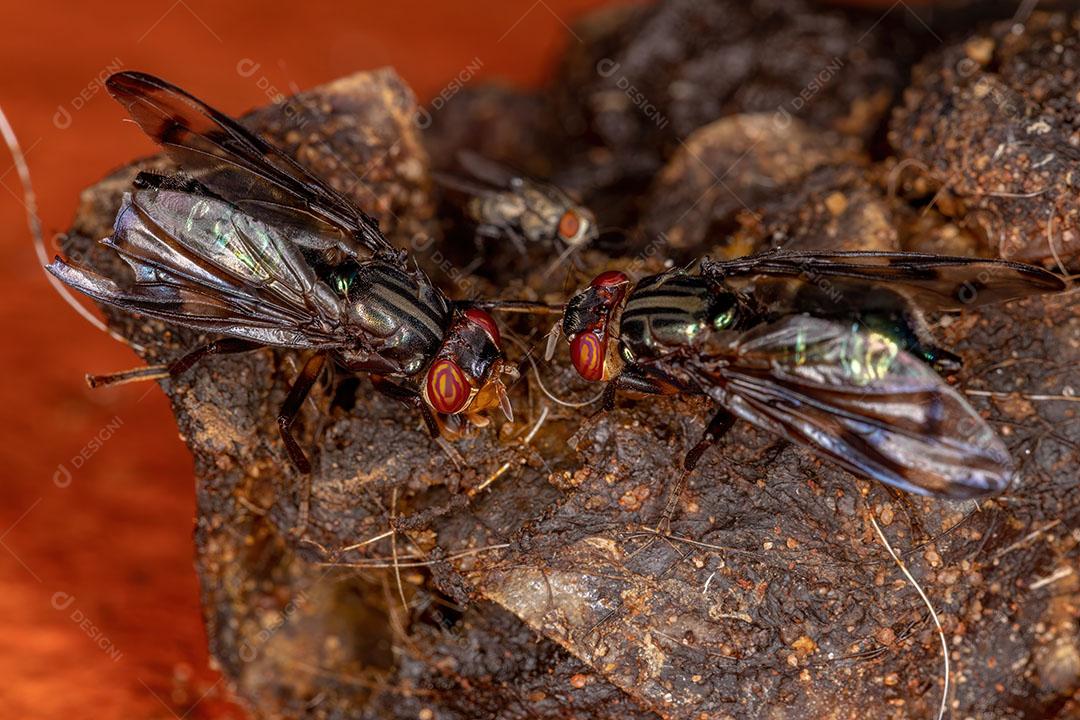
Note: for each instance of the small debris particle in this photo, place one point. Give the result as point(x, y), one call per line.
point(933, 558)
point(804, 645)
point(980, 49)
point(885, 636)
point(892, 679)
point(949, 577)
point(579, 681)
point(633, 498)
point(836, 203)
point(1039, 128)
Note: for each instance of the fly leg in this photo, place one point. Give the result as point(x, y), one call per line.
point(518, 239)
point(943, 361)
point(717, 427)
point(635, 378)
point(493, 232)
point(410, 397)
point(632, 378)
point(177, 367)
point(291, 407)
point(480, 234)
point(497, 232)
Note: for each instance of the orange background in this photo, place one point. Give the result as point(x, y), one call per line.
point(116, 542)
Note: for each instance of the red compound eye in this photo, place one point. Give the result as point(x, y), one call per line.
point(447, 388)
point(587, 353)
point(485, 321)
point(569, 225)
point(609, 279)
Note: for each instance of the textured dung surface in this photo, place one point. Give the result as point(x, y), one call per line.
point(993, 122)
point(642, 80)
point(546, 595)
point(758, 180)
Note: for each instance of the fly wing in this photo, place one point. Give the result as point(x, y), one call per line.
point(463, 185)
point(854, 397)
point(201, 263)
point(487, 171)
point(937, 282)
point(244, 168)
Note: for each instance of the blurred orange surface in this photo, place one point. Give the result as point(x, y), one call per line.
point(99, 603)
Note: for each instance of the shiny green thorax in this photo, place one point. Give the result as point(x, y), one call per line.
point(674, 310)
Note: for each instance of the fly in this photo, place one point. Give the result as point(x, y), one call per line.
point(249, 245)
point(827, 350)
point(504, 204)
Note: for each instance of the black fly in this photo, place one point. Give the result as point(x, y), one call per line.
point(827, 350)
point(251, 246)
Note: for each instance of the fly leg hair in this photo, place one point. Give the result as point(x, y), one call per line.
point(225, 346)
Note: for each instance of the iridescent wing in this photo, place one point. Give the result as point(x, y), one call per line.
point(938, 282)
point(201, 263)
point(855, 398)
point(245, 169)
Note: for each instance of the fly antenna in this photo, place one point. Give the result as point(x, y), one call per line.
point(557, 262)
point(528, 307)
point(540, 382)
